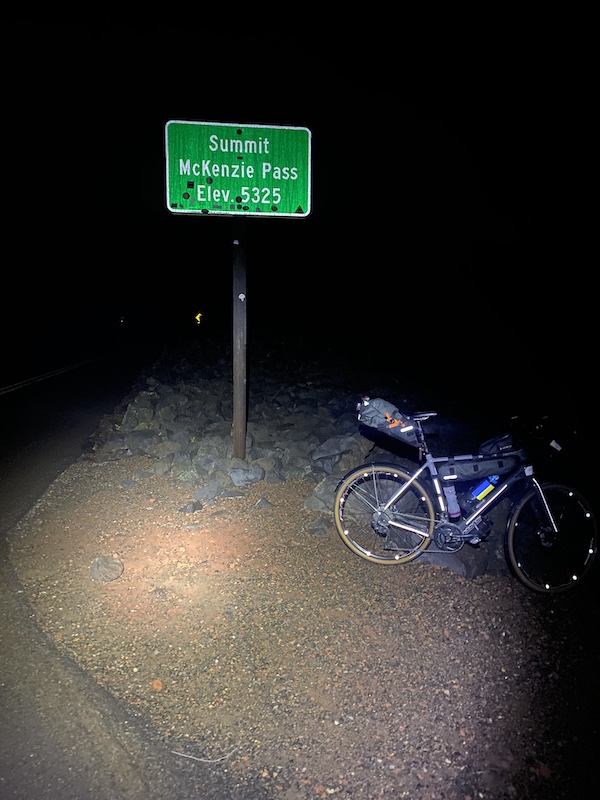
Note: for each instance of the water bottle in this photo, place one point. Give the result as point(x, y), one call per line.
point(485, 487)
point(452, 501)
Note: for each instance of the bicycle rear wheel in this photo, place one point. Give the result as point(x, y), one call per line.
point(546, 560)
point(370, 529)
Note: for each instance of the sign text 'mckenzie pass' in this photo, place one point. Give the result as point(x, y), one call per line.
point(207, 169)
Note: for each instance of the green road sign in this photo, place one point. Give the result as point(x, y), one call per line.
point(246, 170)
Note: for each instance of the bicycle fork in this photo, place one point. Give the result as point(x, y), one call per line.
point(545, 506)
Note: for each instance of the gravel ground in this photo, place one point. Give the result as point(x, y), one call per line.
point(257, 648)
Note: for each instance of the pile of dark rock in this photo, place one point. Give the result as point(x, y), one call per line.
point(301, 425)
point(182, 416)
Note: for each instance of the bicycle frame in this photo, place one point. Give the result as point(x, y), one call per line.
point(468, 524)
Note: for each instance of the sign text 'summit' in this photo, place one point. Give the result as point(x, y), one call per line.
point(259, 145)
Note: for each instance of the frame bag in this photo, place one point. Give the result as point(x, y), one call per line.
point(477, 467)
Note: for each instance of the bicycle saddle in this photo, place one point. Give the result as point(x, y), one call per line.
point(421, 416)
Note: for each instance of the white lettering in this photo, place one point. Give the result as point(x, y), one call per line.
point(206, 194)
point(207, 169)
point(259, 145)
point(279, 173)
point(185, 168)
point(210, 170)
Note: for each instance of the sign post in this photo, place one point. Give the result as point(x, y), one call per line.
point(216, 168)
point(239, 341)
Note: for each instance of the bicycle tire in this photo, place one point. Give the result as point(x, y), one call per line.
point(546, 561)
point(364, 527)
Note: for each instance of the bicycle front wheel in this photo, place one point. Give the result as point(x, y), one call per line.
point(374, 528)
point(548, 560)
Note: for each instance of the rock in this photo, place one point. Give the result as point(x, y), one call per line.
point(106, 568)
point(319, 526)
point(246, 476)
point(191, 507)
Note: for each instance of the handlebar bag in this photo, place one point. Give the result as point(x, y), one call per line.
point(387, 418)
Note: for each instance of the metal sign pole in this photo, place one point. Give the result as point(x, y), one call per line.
point(239, 340)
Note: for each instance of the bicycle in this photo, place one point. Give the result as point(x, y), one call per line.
point(389, 514)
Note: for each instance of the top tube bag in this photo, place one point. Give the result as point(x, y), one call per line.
point(385, 417)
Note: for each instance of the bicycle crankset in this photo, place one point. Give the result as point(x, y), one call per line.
point(448, 537)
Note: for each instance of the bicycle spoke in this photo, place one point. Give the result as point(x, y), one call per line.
point(374, 531)
point(552, 553)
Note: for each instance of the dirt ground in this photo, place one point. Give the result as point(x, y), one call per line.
point(255, 647)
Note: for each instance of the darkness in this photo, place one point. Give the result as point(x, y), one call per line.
point(448, 239)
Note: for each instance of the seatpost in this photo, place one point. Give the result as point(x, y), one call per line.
point(423, 448)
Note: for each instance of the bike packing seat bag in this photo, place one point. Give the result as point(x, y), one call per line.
point(383, 416)
point(458, 469)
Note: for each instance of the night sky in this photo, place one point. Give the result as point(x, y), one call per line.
point(450, 175)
